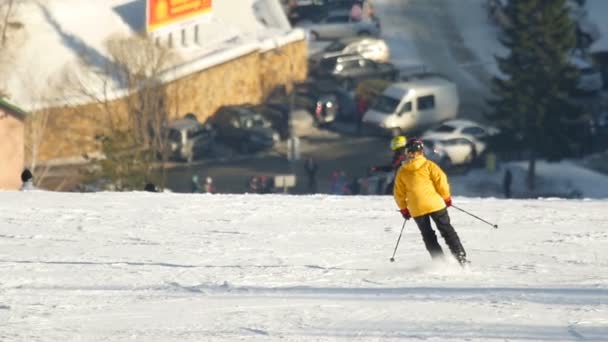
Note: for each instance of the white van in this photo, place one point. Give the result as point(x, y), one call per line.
point(412, 105)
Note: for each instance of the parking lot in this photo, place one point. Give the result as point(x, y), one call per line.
point(420, 34)
point(339, 148)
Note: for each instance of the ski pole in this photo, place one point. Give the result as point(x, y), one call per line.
point(399, 239)
point(475, 216)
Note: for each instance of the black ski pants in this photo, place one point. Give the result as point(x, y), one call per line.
point(442, 221)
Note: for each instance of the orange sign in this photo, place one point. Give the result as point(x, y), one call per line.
point(162, 13)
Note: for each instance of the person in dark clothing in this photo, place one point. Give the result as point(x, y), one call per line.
point(422, 191)
point(506, 183)
point(209, 188)
point(195, 186)
point(265, 185)
point(254, 185)
point(355, 187)
point(27, 180)
point(398, 146)
point(361, 109)
point(150, 187)
point(310, 166)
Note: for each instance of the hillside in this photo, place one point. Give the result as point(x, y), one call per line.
point(169, 267)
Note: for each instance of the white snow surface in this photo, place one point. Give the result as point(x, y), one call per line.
point(553, 179)
point(175, 267)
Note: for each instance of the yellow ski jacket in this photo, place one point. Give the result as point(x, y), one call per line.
point(421, 187)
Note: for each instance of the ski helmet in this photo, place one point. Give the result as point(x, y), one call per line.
point(398, 142)
point(414, 145)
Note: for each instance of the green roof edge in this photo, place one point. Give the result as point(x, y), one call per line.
point(12, 107)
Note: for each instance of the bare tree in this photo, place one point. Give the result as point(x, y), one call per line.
point(137, 66)
point(7, 11)
point(39, 122)
point(36, 128)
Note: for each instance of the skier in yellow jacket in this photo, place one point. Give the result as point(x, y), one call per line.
point(422, 192)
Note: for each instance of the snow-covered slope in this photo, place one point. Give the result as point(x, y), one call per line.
point(168, 267)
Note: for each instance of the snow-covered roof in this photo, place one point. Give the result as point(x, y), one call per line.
point(11, 108)
point(56, 33)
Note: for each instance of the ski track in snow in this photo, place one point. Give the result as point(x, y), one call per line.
point(169, 267)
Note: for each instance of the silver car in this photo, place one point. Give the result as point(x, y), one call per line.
point(372, 48)
point(339, 24)
point(189, 140)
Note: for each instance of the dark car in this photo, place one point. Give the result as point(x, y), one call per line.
point(316, 10)
point(325, 100)
point(349, 70)
point(277, 114)
point(243, 129)
point(189, 139)
point(311, 12)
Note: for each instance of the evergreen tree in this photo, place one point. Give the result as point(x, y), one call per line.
point(127, 165)
point(531, 103)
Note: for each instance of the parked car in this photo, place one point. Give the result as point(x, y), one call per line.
point(275, 113)
point(189, 139)
point(467, 128)
point(371, 48)
point(324, 100)
point(312, 12)
point(315, 10)
point(339, 24)
point(243, 129)
point(438, 156)
point(410, 106)
point(451, 149)
point(349, 70)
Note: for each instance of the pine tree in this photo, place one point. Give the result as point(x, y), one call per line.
point(532, 104)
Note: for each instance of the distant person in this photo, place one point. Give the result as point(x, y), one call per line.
point(422, 192)
point(338, 183)
point(361, 109)
point(209, 188)
point(343, 184)
point(254, 185)
point(264, 185)
point(506, 183)
point(356, 12)
point(310, 166)
point(150, 187)
point(195, 186)
point(367, 12)
point(333, 182)
point(27, 181)
point(398, 147)
point(474, 159)
point(354, 186)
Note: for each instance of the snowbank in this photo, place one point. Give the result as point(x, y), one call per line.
point(563, 179)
